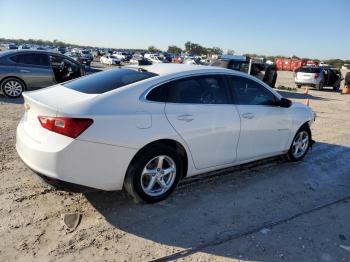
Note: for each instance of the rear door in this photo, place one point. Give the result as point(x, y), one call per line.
point(34, 69)
point(199, 109)
point(265, 127)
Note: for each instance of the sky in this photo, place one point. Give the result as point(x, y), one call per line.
point(306, 28)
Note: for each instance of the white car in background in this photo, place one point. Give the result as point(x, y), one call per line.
point(318, 77)
point(110, 60)
point(123, 56)
point(154, 58)
point(145, 128)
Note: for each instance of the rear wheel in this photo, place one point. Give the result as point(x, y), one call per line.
point(336, 87)
point(154, 175)
point(298, 86)
point(12, 87)
point(320, 86)
point(300, 145)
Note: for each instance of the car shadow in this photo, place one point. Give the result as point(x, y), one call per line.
point(295, 95)
point(207, 214)
point(4, 99)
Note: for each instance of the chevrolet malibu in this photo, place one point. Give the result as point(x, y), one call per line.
point(145, 128)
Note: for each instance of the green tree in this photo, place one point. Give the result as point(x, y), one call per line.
point(153, 49)
point(173, 49)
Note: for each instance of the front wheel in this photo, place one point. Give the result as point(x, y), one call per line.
point(154, 175)
point(300, 145)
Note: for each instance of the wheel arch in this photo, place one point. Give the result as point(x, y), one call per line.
point(16, 77)
point(169, 142)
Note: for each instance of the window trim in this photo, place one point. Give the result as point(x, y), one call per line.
point(143, 96)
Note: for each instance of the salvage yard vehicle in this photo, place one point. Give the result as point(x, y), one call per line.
point(76, 56)
point(22, 70)
point(110, 60)
point(263, 71)
point(318, 77)
point(123, 56)
point(155, 58)
point(145, 128)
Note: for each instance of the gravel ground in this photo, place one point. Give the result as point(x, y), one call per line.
point(271, 211)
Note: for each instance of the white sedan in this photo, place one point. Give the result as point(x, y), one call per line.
point(110, 60)
point(144, 129)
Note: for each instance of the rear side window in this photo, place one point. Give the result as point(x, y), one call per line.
point(158, 94)
point(105, 81)
point(31, 59)
point(314, 70)
point(199, 90)
point(249, 92)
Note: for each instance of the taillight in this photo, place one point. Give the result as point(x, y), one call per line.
point(317, 75)
point(66, 126)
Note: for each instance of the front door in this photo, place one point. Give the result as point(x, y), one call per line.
point(265, 127)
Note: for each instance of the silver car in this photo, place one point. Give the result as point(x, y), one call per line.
point(22, 70)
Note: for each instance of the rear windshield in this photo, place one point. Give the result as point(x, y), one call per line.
point(105, 81)
point(309, 70)
point(220, 63)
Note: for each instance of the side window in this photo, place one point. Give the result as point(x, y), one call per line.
point(158, 94)
point(249, 92)
point(31, 59)
point(56, 60)
point(199, 90)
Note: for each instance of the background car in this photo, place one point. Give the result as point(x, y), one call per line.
point(318, 77)
point(86, 54)
point(23, 70)
point(145, 128)
point(110, 60)
point(138, 59)
point(78, 57)
point(123, 56)
point(263, 71)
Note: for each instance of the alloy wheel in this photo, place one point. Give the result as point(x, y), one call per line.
point(300, 144)
point(158, 175)
point(13, 88)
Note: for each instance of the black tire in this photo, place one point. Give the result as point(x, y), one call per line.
point(16, 83)
point(290, 155)
point(298, 86)
point(320, 86)
point(132, 182)
point(336, 87)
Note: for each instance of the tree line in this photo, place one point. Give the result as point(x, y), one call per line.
point(190, 48)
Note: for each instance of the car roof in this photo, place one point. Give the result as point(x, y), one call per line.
point(169, 68)
point(23, 51)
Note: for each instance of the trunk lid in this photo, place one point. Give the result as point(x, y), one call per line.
point(48, 102)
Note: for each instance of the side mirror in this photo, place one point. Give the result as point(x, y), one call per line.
point(284, 102)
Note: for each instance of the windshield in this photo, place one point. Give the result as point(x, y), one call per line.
point(85, 52)
point(105, 81)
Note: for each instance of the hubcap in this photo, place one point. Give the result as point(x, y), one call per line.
point(158, 175)
point(13, 88)
point(300, 144)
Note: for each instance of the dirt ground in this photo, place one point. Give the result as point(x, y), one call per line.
point(270, 211)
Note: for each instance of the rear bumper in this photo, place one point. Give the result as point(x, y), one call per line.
point(84, 163)
point(311, 83)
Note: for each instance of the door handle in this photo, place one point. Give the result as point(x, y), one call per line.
point(187, 118)
point(248, 115)
point(24, 71)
